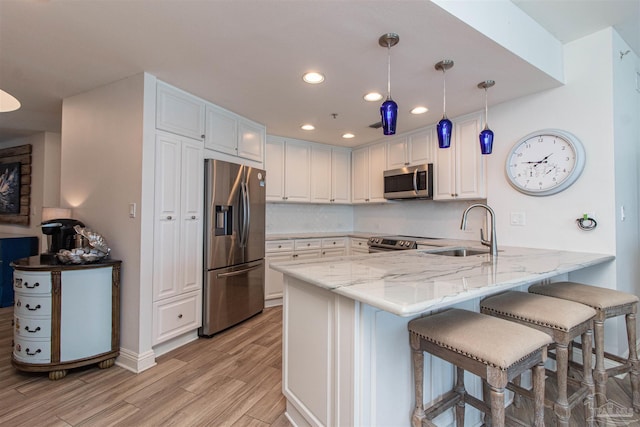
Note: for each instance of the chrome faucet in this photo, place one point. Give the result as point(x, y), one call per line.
point(492, 242)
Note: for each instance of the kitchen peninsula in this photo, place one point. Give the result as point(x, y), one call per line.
point(346, 352)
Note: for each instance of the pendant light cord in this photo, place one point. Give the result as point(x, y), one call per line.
point(388, 70)
point(444, 93)
point(486, 109)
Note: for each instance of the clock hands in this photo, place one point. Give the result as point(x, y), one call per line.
point(544, 160)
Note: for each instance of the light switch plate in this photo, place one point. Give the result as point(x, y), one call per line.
point(518, 218)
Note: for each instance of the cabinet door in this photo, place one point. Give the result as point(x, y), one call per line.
point(420, 147)
point(340, 176)
point(251, 140)
point(444, 174)
point(192, 171)
point(221, 134)
point(273, 279)
point(377, 166)
point(179, 112)
point(166, 222)
point(358, 246)
point(274, 165)
point(397, 153)
point(320, 174)
point(297, 171)
point(360, 174)
point(470, 163)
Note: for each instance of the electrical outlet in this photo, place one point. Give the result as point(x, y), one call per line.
point(518, 218)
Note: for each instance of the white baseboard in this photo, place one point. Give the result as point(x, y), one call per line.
point(272, 302)
point(174, 343)
point(135, 362)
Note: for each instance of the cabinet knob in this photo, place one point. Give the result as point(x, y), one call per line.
point(202, 136)
point(279, 246)
point(193, 217)
point(179, 316)
point(308, 244)
point(406, 163)
point(295, 255)
point(169, 217)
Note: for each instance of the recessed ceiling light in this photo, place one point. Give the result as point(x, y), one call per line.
point(313, 77)
point(8, 102)
point(348, 135)
point(308, 127)
point(419, 110)
point(373, 96)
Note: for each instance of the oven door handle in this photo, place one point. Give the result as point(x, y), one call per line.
point(415, 181)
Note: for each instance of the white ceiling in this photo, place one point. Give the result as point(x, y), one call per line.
point(249, 55)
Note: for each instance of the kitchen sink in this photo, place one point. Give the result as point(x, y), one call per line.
point(462, 252)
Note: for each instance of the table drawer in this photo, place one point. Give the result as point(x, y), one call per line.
point(32, 350)
point(32, 305)
point(279, 246)
point(304, 244)
point(30, 327)
point(32, 282)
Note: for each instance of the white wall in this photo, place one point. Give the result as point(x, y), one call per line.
point(308, 218)
point(102, 144)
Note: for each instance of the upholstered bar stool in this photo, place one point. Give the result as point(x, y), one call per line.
point(493, 349)
point(563, 321)
point(607, 303)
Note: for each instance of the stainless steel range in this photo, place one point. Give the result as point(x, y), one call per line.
point(392, 243)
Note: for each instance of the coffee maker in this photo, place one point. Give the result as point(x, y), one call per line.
point(60, 235)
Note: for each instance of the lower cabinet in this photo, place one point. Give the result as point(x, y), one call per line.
point(358, 246)
point(294, 250)
point(65, 316)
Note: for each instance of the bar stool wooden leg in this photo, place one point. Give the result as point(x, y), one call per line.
point(587, 377)
point(561, 406)
point(600, 372)
point(634, 373)
point(418, 379)
point(497, 406)
point(459, 389)
point(538, 402)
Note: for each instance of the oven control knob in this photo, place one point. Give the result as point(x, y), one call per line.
point(401, 242)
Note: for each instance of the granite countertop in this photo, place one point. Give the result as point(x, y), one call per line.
point(411, 282)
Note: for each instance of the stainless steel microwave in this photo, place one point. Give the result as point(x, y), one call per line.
point(410, 182)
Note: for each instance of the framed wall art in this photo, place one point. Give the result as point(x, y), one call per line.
point(15, 184)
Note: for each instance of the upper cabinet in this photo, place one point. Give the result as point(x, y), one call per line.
point(410, 150)
point(288, 165)
point(461, 169)
point(330, 174)
point(368, 165)
point(229, 133)
point(179, 112)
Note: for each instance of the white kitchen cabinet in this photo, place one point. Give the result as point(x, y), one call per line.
point(179, 112)
point(368, 166)
point(232, 134)
point(330, 174)
point(177, 271)
point(410, 150)
point(358, 246)
point(65, 316)
point(288, 165)
point(461, 169)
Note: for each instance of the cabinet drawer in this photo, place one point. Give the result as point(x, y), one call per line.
point(32, 350)
point(175, 316)
point(30, 327)
point(333, 252)
point(304, 244)
point(336, 242)
point(32, 305)
point(32, 282)
point(357, 243)
point(279, 246)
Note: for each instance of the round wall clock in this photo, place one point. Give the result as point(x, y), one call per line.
point(545, 162)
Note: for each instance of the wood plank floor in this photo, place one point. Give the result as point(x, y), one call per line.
point(233, 379)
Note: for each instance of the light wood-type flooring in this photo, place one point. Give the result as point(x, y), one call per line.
point(233, 379)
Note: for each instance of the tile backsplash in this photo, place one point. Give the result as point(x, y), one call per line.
point(308, 218)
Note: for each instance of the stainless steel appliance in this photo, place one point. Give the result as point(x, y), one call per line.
point(410, 182)
point(234, 245)
point(392, 243)
point(60, 235)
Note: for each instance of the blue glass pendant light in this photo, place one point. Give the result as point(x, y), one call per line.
point(389, 109)
point(486, 136)
point(445, 127)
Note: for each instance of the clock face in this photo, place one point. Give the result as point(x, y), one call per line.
point(545, 162)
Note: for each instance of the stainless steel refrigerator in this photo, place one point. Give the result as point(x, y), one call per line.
point(234, 245)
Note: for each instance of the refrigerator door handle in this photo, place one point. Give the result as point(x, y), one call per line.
point(247, 214)
point(237, 272)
